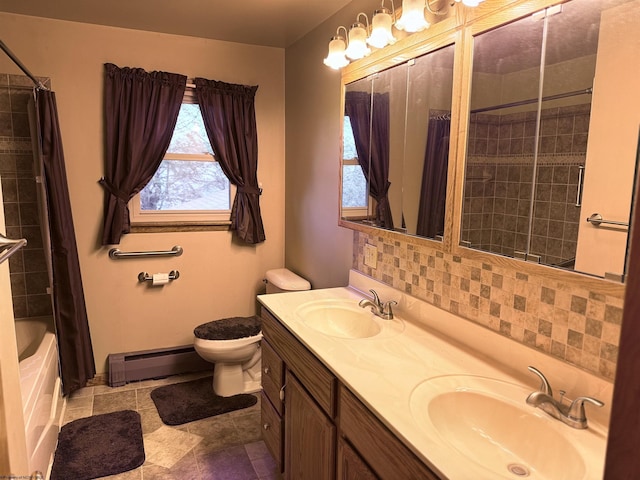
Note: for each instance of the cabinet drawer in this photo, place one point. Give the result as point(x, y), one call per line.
point(316, 378)
point(272, 375)
point(272, 428)
point(376, 444)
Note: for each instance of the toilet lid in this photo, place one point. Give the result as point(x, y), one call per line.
point(229, 328)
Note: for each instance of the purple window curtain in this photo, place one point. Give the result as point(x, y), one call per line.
point(229, 115)
point(434, 179)
point(141, 110)
point(72, 326)
point(372, 146)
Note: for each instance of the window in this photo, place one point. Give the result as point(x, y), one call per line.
point(354, 183)
point(189, 186)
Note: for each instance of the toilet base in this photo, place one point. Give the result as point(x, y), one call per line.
point(233, 378)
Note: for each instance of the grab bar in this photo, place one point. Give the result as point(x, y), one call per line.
point(8, 247)
point(117, 254)
point(596, 220)
point(580, 185)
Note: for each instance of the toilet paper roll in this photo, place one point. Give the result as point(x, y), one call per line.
point(160, 279)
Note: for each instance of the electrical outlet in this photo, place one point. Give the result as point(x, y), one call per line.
point(370, 255)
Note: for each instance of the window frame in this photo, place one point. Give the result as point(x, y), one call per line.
point(139, 217)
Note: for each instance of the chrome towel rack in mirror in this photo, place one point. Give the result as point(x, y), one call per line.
point(596, 220)
point(8, 247)
point(116, 254)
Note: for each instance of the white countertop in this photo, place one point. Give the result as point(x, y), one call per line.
point(383, 371)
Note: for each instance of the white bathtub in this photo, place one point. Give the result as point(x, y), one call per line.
point(40, 387)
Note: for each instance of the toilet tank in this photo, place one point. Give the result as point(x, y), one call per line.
point(284, 280)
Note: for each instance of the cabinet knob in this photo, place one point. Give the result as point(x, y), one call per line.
point(266, 426)
point(266, 370)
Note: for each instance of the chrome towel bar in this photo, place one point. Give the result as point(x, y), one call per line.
point(596, 220)
point(116, 254)
point(8, 247)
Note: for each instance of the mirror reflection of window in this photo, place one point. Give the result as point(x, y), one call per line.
point(354, 184)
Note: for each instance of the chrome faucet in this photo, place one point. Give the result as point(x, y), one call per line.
point(572, 415)
point(382, 310)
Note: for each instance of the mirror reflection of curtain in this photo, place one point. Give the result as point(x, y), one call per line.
point(434, 178)
point(372, 137)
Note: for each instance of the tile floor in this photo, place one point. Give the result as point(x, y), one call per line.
point(224, 447)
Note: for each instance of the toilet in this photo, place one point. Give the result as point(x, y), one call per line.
point(233, 344)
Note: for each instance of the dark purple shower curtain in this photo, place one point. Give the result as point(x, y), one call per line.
point(141, 111)
point(434, 179)
point(72, 326)
point(371, 135)
point(228, 111)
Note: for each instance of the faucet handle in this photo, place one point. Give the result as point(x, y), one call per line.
point(376, 299)
point(545, 387)
point(386, 308)
point(576, 409)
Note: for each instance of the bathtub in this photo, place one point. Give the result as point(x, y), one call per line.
point(40, 387)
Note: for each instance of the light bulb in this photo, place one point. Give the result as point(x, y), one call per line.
point(357, 42)
point(336, 58)
point(381, 34)
point(412, 18)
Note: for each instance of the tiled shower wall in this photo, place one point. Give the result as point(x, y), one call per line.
point(564, 320)
point(498, 188)
point(28, 267)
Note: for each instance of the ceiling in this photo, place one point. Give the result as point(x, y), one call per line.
point(273, 23)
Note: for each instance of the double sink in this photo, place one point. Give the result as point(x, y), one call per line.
point(469, 418)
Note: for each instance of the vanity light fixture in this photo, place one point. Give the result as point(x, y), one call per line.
point(381, 23)
point(336, 57)
point(353, 45)
point(357, 47)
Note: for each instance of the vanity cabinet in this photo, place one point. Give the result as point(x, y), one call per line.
point(315, 427)
point(299, 405)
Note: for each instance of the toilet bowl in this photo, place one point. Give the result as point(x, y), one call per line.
point(233, 344)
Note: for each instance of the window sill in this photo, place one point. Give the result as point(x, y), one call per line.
point(161, 227)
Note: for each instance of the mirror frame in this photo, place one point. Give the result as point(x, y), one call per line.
point(458, 28)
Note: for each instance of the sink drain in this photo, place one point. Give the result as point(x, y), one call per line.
point(519, 470)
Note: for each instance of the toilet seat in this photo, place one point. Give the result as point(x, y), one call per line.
point(229, 328)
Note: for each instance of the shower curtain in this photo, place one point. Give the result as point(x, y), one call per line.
point(433, 192)
point(72, 326)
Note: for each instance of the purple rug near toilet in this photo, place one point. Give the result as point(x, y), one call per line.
point(99, 446)
point(190, 401)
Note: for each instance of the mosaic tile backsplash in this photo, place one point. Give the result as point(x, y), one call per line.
point(568, 322)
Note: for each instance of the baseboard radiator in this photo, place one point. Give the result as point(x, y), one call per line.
point(151, 364)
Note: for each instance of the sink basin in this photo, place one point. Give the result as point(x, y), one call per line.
point(487, 422)
point(343, 318)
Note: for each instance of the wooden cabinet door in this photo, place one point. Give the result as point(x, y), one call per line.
point(310, 437)
point(349, 464)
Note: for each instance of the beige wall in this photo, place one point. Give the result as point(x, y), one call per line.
point(218, 277)
point(315, 246)
point(607, 190)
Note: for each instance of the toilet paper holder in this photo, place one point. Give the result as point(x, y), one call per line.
point(145, 277)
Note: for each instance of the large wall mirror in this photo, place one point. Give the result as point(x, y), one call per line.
point(396, 146)
point(553, 137)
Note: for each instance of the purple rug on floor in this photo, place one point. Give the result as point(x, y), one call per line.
point(189, 401)
point(99, 446)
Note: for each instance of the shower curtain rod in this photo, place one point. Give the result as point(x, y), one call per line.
point(586, 91)
point(26, 71)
